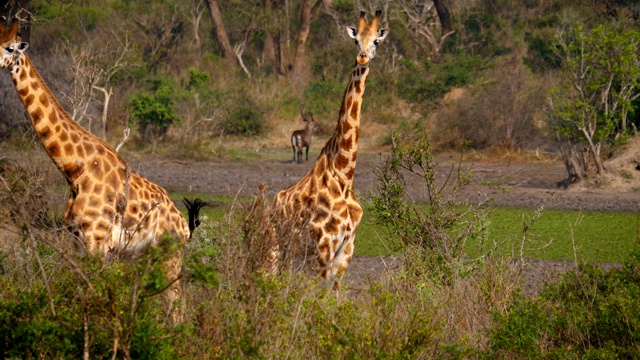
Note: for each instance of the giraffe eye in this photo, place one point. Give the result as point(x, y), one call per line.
point(356, 41)
point(9, 50)
point(376, 42)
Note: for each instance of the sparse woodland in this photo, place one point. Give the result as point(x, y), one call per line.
point(195, 79)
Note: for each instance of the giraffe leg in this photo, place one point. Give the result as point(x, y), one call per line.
point(341, 260)
point(294, 152)
point(307, 153)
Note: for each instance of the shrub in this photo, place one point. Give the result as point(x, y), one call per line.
point(589, 313)
point(442, 227)
point(245, 119)
point(153, 112)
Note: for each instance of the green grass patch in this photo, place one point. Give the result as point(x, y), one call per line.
point(597, 236)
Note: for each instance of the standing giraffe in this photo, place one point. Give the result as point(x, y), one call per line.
point(111, 207)
point(324, 198)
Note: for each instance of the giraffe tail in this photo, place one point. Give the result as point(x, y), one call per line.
point(193, 208)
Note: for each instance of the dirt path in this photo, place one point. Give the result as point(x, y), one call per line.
point(515, 184)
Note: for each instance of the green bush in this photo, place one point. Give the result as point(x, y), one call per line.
point(153, 111)
point(589, 314)
point(245, 119)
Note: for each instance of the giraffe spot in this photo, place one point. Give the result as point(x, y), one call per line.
point(134, 209)
point(79, 203)
point(110, 197)
point(320, 216)
point(88, 148)
point(349, 250)
point(23, 75)
point(75, 138)
point(354, 156)
point(23, 92)
point(323, 201)
point(354, 110)
point(112, 159)
point(45, 133)
point(346, 126)
point(85, 184)
point(102, 226)
point(323, 248)
point(108, 211)
point(100, 149)
point(349, 101)
point(91, 213)
point(346, 142)
point(350, 173)
point(94, 201)
point(32, 72)
point(79, 149)
point(97, 188)
point(145, 208)
point(334, 190)
point(44, 100)
point(344, 214)
point(358, 88)
point(53, 149)
point(72, 170)
point(29, 100)
point(342, 111)
point(65, 126)
point(64, 137)
point(37, 115)
point(53, 117)
point(95, 167)
point(325, 180)
point(355, 212)
point(341, 162)
point(357, 133)
point(35, 86)
point(68, 149)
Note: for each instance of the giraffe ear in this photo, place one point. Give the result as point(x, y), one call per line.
point(22, 47)
point(352, 32)
point(382, 33)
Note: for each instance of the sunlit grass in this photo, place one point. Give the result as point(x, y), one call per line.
point(595, 236)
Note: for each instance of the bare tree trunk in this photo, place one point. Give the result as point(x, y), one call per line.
point(306, 14)
point(221, 34)
point(443, 15)
point(268, 50)
point(594, 152)
point(105, 109)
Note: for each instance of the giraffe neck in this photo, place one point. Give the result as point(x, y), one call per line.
point(66, 142)
point(342, 148)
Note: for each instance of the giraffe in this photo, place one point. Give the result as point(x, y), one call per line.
point(324, 198)
point(111, 207)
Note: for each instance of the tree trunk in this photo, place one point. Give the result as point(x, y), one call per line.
point(443, 15)
point(306, 15)
point(221, 34)
point(268, 50)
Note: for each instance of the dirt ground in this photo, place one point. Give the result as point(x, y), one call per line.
point(527, 184)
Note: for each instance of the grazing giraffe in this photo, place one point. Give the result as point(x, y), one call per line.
point(324, 198)
point(111, 207)
point(302, 138)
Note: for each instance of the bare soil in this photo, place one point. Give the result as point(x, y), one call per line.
point(527, 184)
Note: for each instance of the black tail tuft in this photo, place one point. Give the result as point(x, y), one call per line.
point(193, 208)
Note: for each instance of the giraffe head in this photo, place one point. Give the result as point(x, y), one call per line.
point(367, 37)
point(11, 46)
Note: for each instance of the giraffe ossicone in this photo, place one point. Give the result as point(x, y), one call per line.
point(324, 201)
point(111, 207)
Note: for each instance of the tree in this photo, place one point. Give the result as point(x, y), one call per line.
point(601, 69)
point(420, 17)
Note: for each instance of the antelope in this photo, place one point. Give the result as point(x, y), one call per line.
point(302, 138)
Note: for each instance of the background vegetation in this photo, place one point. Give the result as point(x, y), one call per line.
point(485, 74)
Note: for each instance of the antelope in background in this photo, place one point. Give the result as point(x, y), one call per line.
point(302, 138)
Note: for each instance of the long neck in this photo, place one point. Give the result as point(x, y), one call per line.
point(342, 148)
point(63, 139)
